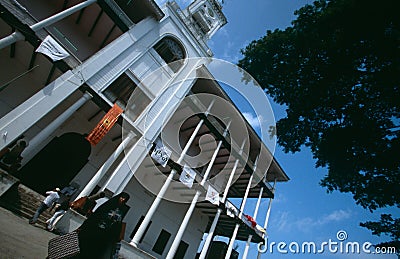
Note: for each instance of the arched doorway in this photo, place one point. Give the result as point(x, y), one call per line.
point(57, 163)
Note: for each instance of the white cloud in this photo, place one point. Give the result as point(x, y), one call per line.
point(285, 222)
point(280, 198)
point(227, 51)
point(282, 221)
point(335, 216)
point(254, 121)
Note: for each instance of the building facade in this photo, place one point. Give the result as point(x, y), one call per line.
point(66, 64)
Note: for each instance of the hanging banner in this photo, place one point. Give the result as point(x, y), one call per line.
point(250, 221)
point(187, 176)
point(161, 154)
point(104, 125)
point(52, 49)
point(231, 210)
point(212, 195)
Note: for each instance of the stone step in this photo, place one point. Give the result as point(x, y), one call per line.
point(27, 215)
point(23, 201)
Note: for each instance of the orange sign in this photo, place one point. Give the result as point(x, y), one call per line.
point(104, 125)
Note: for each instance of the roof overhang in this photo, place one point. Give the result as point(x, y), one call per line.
point(127, 13)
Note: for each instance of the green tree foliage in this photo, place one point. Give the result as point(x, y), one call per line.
point(387, 225)
point(337, 70)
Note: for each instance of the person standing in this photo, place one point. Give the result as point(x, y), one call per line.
point(51, 198)
point(61, 207)
point(12, 158)
point(100, 233)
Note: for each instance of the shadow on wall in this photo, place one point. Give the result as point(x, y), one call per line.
point(57, 163)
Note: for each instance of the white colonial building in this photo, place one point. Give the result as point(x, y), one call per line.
point(65, 64)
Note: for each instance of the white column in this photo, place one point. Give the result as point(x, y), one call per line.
point(218, 214)
point(124, 173)
point(210, 235)
point(28, 113)
point(246, 248)
point(258, 203)
point(267, 215)
point(16, 36)
point(185, 221)
point(10, 39)
point(38, 142)
point(269, 208)
point(233, 238)
point(139, 234)
point(104, 168)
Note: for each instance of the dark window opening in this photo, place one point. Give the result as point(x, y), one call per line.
point(172, 52)
point(182, 248)
point(161, 242)
point(120, 90)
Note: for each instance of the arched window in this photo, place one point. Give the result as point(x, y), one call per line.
point(171, 51)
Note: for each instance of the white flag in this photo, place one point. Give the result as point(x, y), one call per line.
point(231, 210)
point(212, 195)
point(52, 49)
point(161, 154)
point(187, 176)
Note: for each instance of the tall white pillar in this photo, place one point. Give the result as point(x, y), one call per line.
point(209, 238)
point(39, 141)
point(267, 215)
point(140, 232)
point(142, 228)
point(233, 238)
point(246, 248)
point(185, 221)
point(125, 171)
point(210, 235)
point(269, 208)
point(104, 168)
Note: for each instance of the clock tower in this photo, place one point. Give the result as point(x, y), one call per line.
point(205, 17)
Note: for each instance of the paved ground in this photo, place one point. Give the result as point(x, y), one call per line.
point(19, 239)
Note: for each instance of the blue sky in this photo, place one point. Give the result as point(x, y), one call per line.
point(302, 211)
